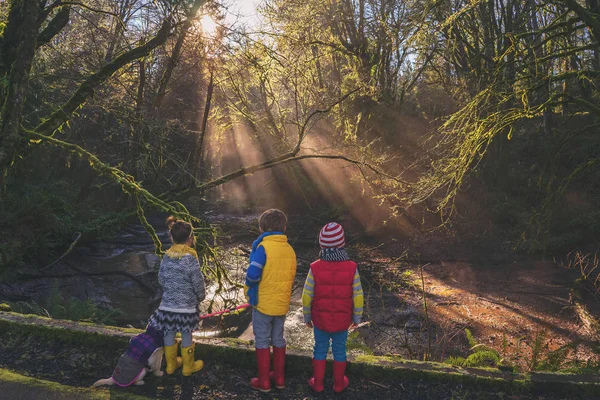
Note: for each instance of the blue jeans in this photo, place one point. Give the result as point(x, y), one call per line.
point(267, 330)
point(338, 344)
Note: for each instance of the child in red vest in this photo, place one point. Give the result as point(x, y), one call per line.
point(332, 301)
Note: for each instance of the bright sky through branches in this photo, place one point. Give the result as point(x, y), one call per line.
point(244, 12)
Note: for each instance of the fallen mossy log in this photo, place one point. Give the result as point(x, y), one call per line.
point(240, 354)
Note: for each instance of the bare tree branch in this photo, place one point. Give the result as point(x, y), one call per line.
point(285, 160)
point(86, 89)
point(60, 3)
point(69, 250)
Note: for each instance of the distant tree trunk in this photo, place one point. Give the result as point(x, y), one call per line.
point(137, 138)
point(315, 53)
point(594, 6)
point(197, 158)
point(140, 92)
point(588, 16)
point(119, 27)
point(166, 76)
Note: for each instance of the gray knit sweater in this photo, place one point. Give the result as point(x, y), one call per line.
point(182, 283)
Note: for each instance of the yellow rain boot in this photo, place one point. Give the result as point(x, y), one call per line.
point(189, 365)
point(173, 362)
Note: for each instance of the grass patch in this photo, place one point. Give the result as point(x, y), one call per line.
point(17, 386)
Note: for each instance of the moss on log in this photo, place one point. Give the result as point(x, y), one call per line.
point(16, 386)
point(240, 354)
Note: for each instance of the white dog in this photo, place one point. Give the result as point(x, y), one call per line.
point(145, 354)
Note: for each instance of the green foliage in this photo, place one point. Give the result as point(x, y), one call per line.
point(70, 309)
point(481, 355)
point(40, 220)
point(37, 221)
point(355, 342)
point(470, 338)
point(540, 359)
point(458, 361)
point(576, 366)
point(556, 360)
point(28, 307)
point(81, 310)
point(483, 358)
point(536, 351)
point(516, 88)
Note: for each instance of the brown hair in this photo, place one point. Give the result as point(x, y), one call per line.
point(179, 230)
point(272, 220)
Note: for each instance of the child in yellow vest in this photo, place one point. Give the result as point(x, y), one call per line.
point(269, 281)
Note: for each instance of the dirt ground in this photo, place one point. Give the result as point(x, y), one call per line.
point(511, 307)
point(509, 303)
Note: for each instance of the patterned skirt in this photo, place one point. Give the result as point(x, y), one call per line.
point(168, 321)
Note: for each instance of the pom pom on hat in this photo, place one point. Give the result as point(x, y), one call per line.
point(332, 235)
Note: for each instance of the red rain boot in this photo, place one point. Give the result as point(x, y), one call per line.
point(278, 373)
point(263, 362)
point(316, 382)
point(340, 381)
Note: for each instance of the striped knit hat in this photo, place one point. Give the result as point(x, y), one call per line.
point(332, 235)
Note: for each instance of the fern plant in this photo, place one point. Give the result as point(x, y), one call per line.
point(556, 360)
point(536, 351)
point(481, 355)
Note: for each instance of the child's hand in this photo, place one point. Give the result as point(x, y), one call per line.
point(309, 324)
point(353, 326)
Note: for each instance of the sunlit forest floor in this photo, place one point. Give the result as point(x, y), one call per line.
point(521, 307)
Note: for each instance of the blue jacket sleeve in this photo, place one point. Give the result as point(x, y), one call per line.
point(258, 259)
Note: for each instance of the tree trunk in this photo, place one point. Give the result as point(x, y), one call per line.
point(137, 138)
point(140, 92)
point(87, 88)
point(60, 20)
point(25, 14)
point(197, 158)
point(315, 53)
point(119, 27)
point(166, 77)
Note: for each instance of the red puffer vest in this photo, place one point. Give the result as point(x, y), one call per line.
point(332, 304)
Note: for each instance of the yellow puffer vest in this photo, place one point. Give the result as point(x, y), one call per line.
point(275, 287)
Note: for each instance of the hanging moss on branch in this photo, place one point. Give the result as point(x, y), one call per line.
point(205, 233)
point(149, 228)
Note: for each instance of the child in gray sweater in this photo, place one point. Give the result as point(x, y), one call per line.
point(183, 290)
